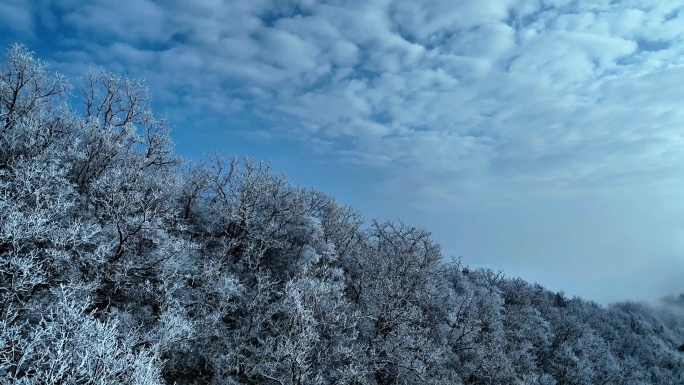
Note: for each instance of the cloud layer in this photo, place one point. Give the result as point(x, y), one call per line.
point(461, 104)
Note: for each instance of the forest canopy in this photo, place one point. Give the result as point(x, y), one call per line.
point(121, 263)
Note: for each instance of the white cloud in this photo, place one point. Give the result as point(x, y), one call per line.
point(384, 71)
point(142, 20)
point(429, 21)
point(462, 102)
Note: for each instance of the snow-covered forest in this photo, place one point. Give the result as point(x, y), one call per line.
point(120, 263)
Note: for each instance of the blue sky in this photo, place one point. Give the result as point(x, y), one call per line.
point(544, 138)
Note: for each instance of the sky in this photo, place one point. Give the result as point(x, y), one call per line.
point(543, 138)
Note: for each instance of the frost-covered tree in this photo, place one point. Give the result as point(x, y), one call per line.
point(119, 264)
point(394, 281)
point(33, 114)
point(476, 337)
point(47, 239)
point(68, 345)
